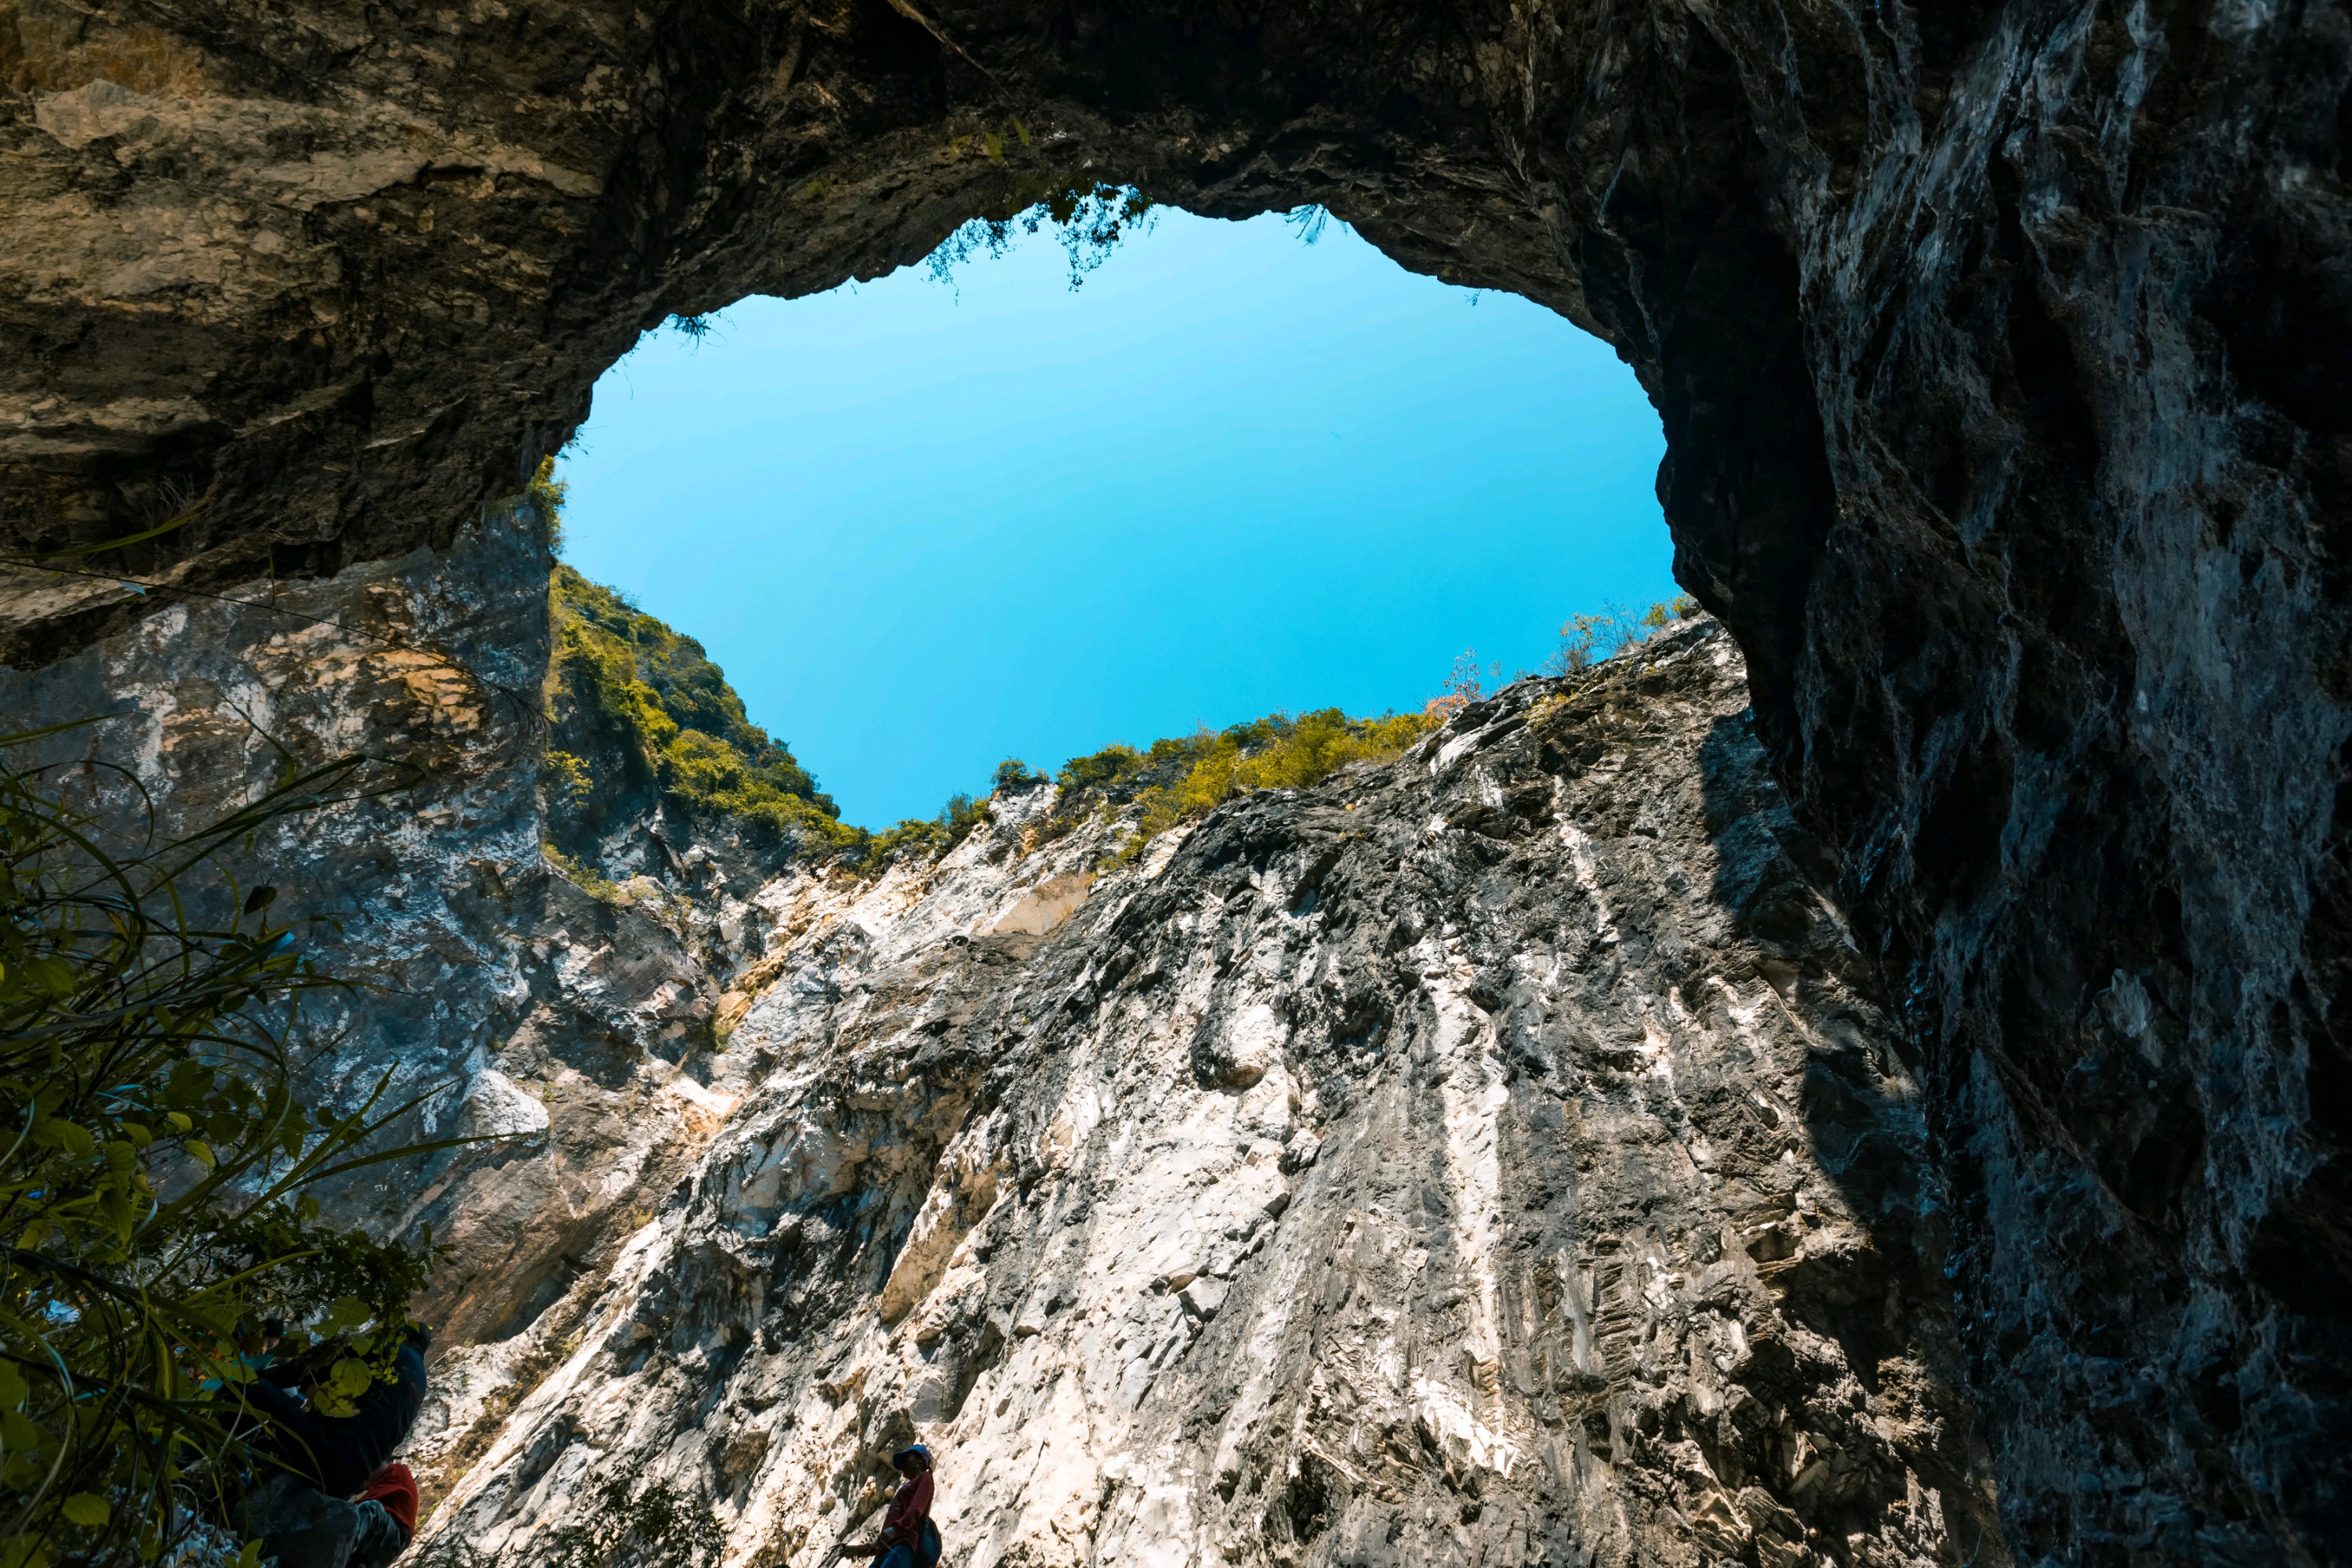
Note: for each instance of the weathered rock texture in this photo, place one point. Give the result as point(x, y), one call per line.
point(2001, 351)
point(575, 1030)
point(1488, 1157)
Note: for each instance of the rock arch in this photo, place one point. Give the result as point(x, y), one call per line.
point(2001, 351)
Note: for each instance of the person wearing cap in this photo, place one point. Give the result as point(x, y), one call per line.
point(909, 1539)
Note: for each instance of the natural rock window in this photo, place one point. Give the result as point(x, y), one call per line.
point(2000, 350)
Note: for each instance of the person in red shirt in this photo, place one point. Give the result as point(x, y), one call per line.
point(909, 1539)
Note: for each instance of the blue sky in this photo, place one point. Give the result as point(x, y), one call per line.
point(925, 527)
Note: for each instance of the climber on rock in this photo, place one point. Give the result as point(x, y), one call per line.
point(332, 1496)
point(909, 1539)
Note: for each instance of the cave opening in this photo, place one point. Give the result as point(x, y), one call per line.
point(1973, 334)
point(1047, 491)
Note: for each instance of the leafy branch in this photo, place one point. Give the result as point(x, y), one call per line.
point(158, 1232)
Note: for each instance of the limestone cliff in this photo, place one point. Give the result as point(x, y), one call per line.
point(2001, 351)
point(1490, 1157)
point(576, 1027)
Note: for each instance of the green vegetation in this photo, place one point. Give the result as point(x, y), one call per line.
point(1179, 779)
point(1176, 779)
point(587, 879)
point(660, 694)
point(618, 671)
point(932, 837)
point(1276, 753)
point(1114, 766)
point(155, 1202)
point(1089, 218)
point(1586, 640)
point(680, 722)
point(657, 695)
point(546, 495)
point(566, 781)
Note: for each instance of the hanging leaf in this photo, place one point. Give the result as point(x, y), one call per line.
point(85, 1508)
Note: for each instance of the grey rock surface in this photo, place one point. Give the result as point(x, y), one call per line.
point(1489, 1157)
point(575, 1032)
point(2002, 350)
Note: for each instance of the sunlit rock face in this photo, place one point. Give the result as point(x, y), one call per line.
point(403, 697)
point(2000, 349)
point(1488, 1157)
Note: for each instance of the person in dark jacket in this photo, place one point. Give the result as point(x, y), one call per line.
point(332, 1498)
point(909, 1539)
point(339, 1454)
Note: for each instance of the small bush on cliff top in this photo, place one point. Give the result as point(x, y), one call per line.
point(1276, 752)
point(932, 836)
point(1179, 777)
point(154, 1158)
point(1588, 640)
point(1463, 685)
point(1014, 774)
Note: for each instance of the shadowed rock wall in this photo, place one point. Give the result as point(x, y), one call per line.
point(2000, 351)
